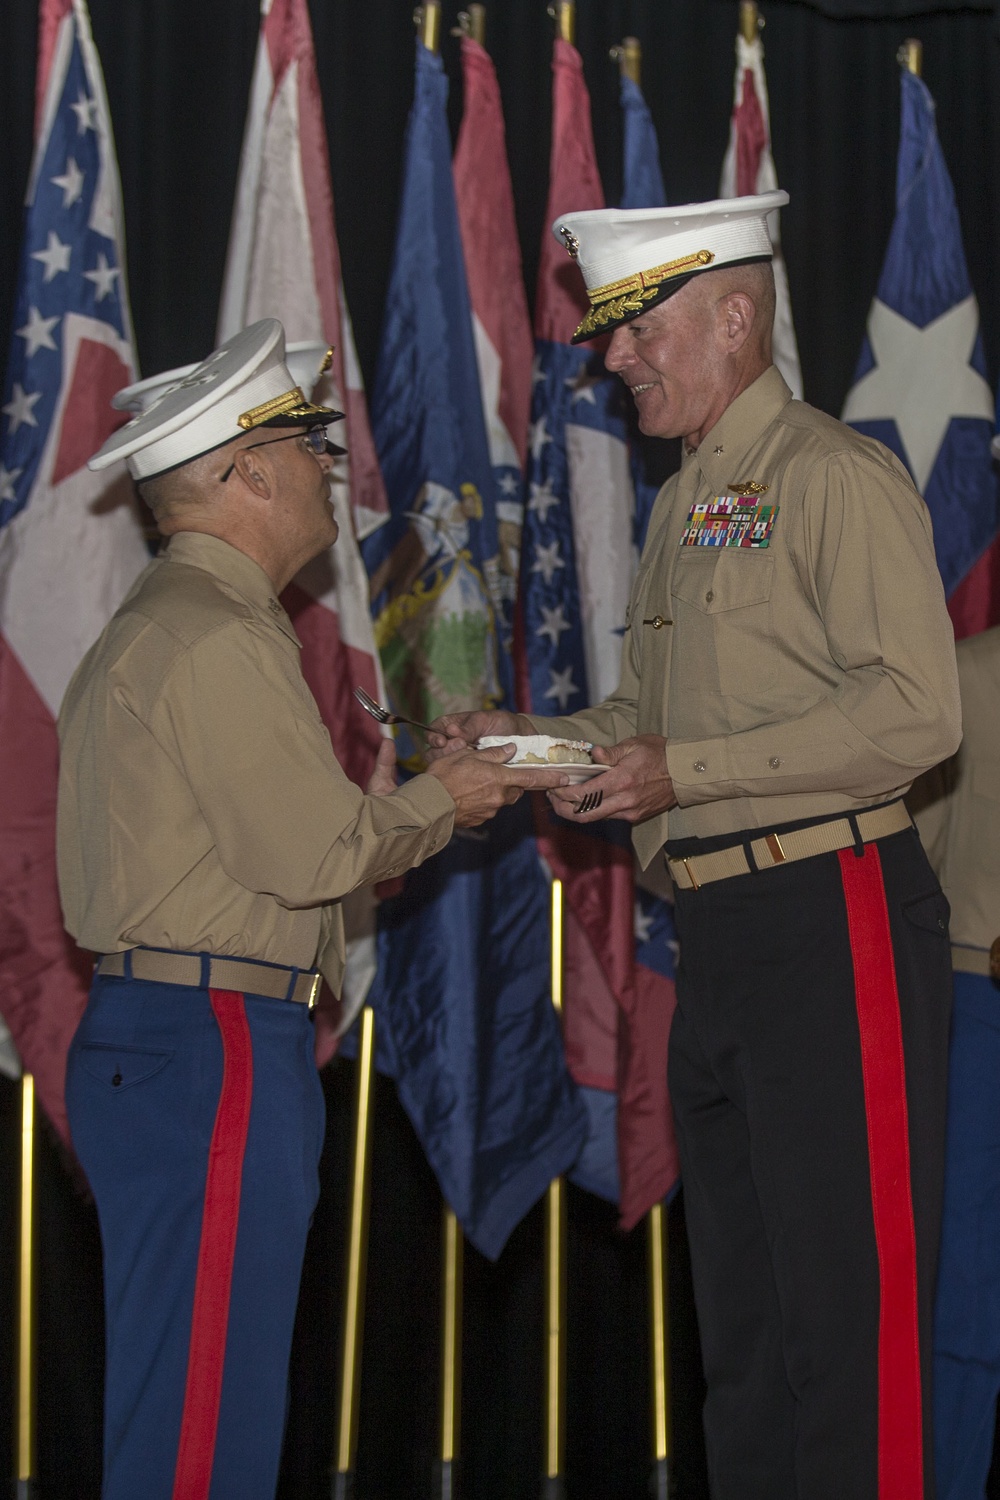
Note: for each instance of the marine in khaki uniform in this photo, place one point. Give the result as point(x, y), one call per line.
point(206, 835)
point(957, 809)
point(787, 670)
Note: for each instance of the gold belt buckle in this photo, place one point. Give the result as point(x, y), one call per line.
point(690, 875)
point(317, 980)
point(774, 848)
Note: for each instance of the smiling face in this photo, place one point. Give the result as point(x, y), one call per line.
point(686, 359)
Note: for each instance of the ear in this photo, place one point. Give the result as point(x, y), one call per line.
point(254, 471)
point(738, 317)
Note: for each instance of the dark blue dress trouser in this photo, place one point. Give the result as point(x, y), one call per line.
point(967, 1309)
point(198, 1117)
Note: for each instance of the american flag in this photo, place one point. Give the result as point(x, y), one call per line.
point(70, 544)
point(578, 560)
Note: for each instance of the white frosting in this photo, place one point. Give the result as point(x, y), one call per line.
point(531, 744)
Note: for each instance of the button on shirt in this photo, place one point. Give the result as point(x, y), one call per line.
point(200, 803)
point(815, 675)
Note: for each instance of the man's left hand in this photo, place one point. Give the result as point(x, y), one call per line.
point(637, 785)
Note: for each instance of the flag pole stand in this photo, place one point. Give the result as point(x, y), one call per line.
point(553, 1485)
point(446, 1467)
point(25, 1484)
point(659, 1347)
point(342, 1487)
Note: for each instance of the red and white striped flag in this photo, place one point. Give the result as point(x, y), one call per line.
point(70, 542)
point(749, 168)
point(284, 263)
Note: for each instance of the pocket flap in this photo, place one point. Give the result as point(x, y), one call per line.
point(121, 1067)
point(739, 579)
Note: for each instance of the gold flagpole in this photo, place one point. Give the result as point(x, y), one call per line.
point(357, 1250)
point(628, 56)
point(563, 12)
point(446, 1479)
point(751, 23)
point(659, 1349)
point(911, 56)
point(555, 1269)
point(26, 1299)
point(472, 23)
point(427, 19)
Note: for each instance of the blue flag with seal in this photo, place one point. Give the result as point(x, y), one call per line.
point(920, 385)
point(465, 1022)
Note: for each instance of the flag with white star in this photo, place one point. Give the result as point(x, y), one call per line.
point(577, 562)
point(920, 385)
point(464, 1020)
point(70, 543)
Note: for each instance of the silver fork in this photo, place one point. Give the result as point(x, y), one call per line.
point(589, 802)
point(383, 715)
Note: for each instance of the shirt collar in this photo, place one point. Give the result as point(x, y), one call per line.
point(723, 452)
point(231, 566)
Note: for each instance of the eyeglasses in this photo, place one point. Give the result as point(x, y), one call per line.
point(314, 436)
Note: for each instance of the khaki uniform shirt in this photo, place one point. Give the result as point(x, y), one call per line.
point(813, 676)
point(200, 803)
point(957, 809)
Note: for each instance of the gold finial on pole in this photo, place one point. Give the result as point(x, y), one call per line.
point(751, 21)
point(26, 1296)
point(427, 19)
point(628, 56)
point(563, 12)
point(357, 1251)
point(472, 23)
point(911, 56)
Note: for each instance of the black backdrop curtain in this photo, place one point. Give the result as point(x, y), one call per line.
point(178, 75)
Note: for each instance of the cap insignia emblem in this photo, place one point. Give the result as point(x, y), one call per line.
point(572, 243)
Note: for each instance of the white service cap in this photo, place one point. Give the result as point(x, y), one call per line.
point(633, 258)
point(186, 412)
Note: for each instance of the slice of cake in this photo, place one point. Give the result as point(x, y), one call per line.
point(541, 749)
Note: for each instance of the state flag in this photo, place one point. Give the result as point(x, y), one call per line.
point(920, 386)
point(284, 263)
point(464, 1016)
point(70, 541)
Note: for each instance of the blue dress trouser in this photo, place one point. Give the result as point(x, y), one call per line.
point(967, 1310)
point(198, 1117)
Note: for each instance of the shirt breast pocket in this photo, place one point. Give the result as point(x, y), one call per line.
point(724, 630)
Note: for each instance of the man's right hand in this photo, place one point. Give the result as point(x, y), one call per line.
point(480, 783)
point(459, 731)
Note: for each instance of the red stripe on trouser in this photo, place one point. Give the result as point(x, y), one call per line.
point(900, 1422)
point(220, 1220)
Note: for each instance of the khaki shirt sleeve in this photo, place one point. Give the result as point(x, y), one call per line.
point(285, 819)
point(864, 556)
